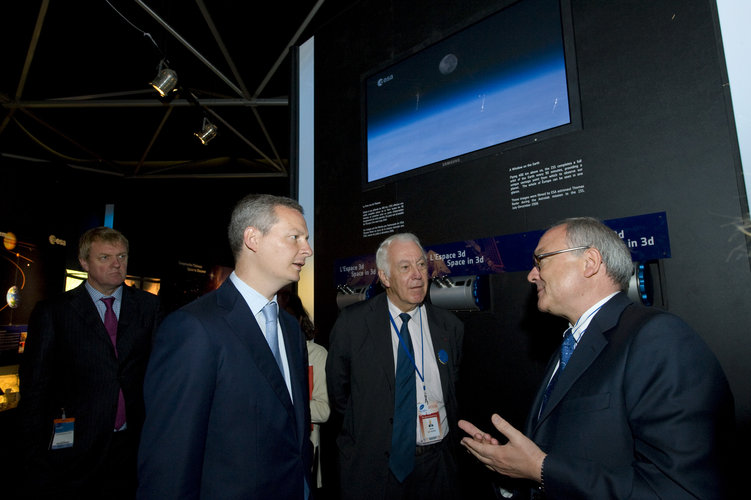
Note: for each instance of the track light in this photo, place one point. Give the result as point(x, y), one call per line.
point(208, 132)
point(165, 81)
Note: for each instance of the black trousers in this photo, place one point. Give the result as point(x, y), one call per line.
point(435, 476)
point(114, 477)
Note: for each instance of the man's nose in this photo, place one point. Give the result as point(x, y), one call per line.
point(534, 274)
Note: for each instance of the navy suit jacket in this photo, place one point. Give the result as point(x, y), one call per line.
point(360, 375)
point(642, 410)
point(219, 419)
point(69, 362)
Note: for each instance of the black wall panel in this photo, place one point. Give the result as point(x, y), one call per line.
point(657, 136)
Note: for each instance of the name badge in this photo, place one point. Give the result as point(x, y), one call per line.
point(63, 433)
point(430, 421)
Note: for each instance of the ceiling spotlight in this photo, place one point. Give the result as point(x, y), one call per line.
point(165, 82)
point(208, 132)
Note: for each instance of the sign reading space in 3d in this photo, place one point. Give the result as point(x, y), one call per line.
point(645, 235)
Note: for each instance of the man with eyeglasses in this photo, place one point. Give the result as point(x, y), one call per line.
point(82, 376)
point(634, 405)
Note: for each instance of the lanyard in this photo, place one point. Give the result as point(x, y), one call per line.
point(404, 346)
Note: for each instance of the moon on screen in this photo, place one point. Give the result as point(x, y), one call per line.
point(448, 64)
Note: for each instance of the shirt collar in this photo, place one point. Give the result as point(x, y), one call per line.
point(97, 295)
point(585, 319)
point(254, 299)
point(395, 311)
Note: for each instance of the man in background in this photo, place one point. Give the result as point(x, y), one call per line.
point(82, 375)
point(392, 371)
point(227, 413)
point(635, 405)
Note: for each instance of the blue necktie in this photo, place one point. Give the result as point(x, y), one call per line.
point(272, 334)
point(402, 457)
point(567, 349)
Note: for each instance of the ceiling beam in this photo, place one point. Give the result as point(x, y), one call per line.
point(278, 166)
point(222, 47)
point(190, 48)
point(153, 140)
point(244, 175)
point(29, 57)
point(284, 53)
point(144, 103)
point(32, 47)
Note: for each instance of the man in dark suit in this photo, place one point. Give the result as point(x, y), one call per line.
point(226, 390)
point(362, 371)
point(634, 406)
point(74, 368)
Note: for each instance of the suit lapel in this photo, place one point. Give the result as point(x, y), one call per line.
point(532, 419)
point(379, 327)
point(297, 368)
point(245, 328)
point(129, 314)
point(591, 345)
point(440, 342)
point(83, 306)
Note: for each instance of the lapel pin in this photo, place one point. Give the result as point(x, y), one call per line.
point(443, 357)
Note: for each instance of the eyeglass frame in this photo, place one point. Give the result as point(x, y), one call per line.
point(538, 257)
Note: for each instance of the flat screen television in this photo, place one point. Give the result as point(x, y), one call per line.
point(506, 80)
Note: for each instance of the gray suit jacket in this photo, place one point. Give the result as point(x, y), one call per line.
point(360, 376)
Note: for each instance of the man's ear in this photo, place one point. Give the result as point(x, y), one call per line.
point(384, 279)
point(593, 263)
point(250, 238)
point(84, 265)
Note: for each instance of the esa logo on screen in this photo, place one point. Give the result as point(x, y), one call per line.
point(385, 79)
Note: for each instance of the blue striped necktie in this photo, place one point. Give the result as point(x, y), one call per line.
point(567, 349)
point(403, 433)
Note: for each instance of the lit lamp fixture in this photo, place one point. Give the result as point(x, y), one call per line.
point(208, 132)
point(165, 81)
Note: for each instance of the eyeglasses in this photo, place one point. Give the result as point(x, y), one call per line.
point(537, 258)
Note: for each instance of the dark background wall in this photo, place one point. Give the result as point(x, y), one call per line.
point(166, 221)
point(657, 136)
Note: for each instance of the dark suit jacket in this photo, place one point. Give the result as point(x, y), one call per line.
point(360, 377)
point(69, 362)
point(219, 419)
point(641, 411)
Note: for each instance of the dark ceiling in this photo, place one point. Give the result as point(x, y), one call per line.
point(74, 84)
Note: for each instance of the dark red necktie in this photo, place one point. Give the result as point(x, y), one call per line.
point(110, 324)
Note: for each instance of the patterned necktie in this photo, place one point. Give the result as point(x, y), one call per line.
point(110, 324)
point(272, 333)
point(402, 457)
point(567, 349)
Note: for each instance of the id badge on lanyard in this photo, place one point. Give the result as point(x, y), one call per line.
point(430, 421)
point(62, 435)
